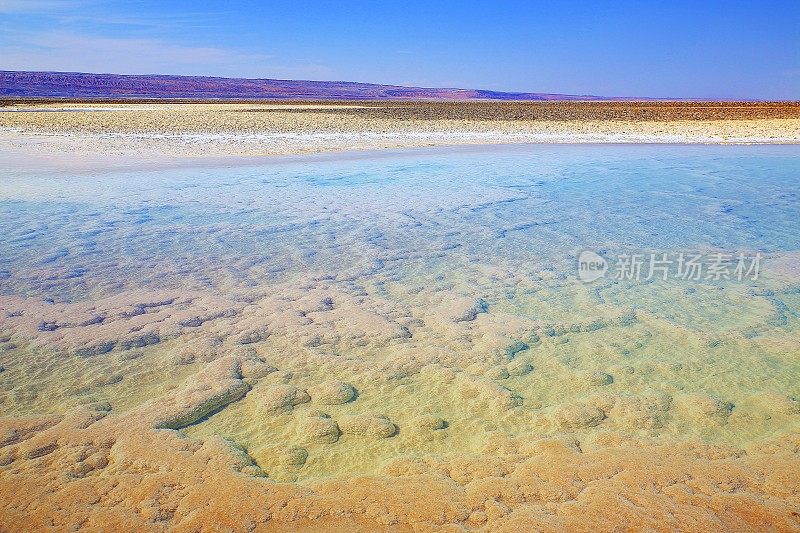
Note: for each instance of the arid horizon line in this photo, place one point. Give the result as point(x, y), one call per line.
point(50, 84)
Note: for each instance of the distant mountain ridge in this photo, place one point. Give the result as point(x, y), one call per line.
point(29, 84)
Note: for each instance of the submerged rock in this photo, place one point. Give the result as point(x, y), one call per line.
point(287, 456)
point(210, 349)
point(788, 405)
point(314, 341)
point(491, 394)
point(39, 450)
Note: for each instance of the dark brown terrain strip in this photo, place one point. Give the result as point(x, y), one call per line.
point(492, 110)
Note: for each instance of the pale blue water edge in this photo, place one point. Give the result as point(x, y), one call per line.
point(419, 218)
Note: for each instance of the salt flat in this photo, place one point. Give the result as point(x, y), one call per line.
point(150, 130)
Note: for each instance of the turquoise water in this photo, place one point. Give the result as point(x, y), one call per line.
point(426, 259)
point(529, 208)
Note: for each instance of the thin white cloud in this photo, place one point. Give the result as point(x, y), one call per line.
point(61, 51)
point(23, 7)
point(78, 13)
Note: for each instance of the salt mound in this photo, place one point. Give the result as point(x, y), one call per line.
point(97, 348)
point(318, 429)
point(210, 349)
point(598, 379)
point(281, 455)
point(519, 367)
point(491, 394)
point(211, 389)
point(293, 456)
point(642, 412)
point(429, 422)
point(781, 403)
point(140, 340)
point(131, 355)
point(579, 415)
point(374, 426)
point(106, 379)
point(406, 466)
point(788, 405)
point(705, 406)
point(504, 399)
point(256, 368)
point(333, 393)
point(514, 348)
point(497, 372)
point(17, 429)
point(282, 397)
point(184, 357)
point(471, 313)
point(205, 350)
point(252, 336)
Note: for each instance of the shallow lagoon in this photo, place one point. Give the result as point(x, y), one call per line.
point(442, 285)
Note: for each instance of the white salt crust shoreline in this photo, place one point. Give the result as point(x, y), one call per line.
point(214, 135)
point(223, 144)
point(324, 139)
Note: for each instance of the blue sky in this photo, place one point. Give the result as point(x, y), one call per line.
point(615, 48)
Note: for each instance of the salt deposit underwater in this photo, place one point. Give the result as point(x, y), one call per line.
point(398, 314)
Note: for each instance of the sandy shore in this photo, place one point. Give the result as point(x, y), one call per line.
point(154, 130)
